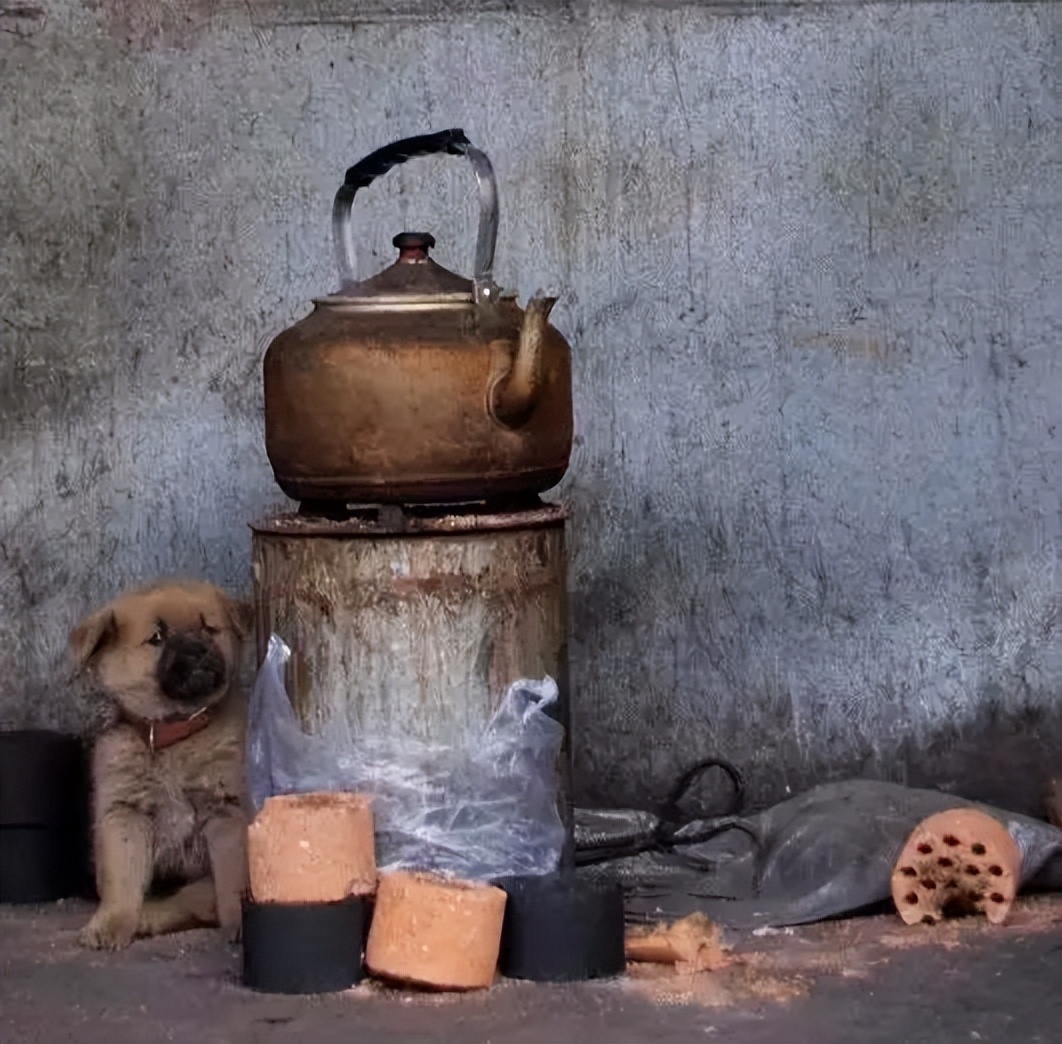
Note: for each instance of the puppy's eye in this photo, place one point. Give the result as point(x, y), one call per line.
point(207, 627)
point(155, 639)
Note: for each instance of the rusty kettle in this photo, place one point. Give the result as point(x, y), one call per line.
point(418, 385)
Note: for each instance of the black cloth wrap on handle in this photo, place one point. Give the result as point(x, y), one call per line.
point(671, 820)
point(365, 172)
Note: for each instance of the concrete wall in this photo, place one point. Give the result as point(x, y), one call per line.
point(811, 261)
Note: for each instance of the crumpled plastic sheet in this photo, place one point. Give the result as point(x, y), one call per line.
point(826, 853)
point(479, 813)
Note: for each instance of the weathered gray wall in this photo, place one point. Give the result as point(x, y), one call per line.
point(811, 257)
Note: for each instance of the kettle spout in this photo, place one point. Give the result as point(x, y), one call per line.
point(514, 392)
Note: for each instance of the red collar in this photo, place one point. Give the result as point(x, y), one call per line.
point(160, 733)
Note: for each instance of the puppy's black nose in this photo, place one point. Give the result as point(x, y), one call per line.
point(189, 668)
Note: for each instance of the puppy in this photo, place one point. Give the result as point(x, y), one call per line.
point(168, 777)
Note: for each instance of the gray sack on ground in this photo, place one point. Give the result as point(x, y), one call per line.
point(825, 853)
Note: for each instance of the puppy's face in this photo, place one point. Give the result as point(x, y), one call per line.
point(172, 648)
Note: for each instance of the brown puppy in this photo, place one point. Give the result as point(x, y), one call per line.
point(168, 777)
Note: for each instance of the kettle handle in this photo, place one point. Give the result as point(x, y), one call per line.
point(364, 172)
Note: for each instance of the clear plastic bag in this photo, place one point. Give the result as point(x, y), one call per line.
point(486, 812)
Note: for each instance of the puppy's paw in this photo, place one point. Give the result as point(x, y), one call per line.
point(109, 930)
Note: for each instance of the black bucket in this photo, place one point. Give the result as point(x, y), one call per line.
point(44, 817)
point(303, 947)
point(561, 928)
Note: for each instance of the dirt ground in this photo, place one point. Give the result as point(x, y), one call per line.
point(864, 981)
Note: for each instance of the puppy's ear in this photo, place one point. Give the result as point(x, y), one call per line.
point(241, 616)
point(92, 635)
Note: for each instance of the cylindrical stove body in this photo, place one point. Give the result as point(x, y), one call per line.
point(414, 625)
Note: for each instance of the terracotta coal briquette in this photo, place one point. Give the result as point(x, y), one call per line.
point(957, 862)
point(312, 848)
point(432, 931)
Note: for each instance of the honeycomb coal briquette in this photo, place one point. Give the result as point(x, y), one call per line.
point(957, 862)
point(312, 848)
point(435, 932)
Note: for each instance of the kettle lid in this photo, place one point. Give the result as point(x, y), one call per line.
point(414, 279)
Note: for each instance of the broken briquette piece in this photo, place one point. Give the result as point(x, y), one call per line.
point(692, 944)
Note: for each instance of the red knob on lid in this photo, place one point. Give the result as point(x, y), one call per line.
point(413, 246)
